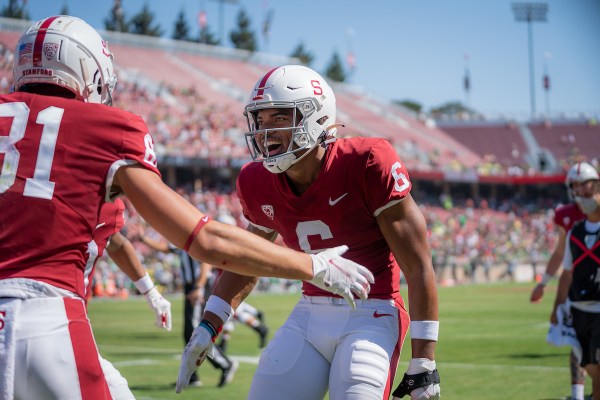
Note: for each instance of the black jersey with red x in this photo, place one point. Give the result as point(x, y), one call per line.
point(585, 250)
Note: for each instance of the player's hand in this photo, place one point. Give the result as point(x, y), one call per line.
point(341, 276)
point(161, 307)
point(198, 348)
point(422, 375)
point(537, 293)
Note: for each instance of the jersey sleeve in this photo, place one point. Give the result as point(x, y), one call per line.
point(386, 178)
point(558, 217)
point(110, 221)
point(138, 145)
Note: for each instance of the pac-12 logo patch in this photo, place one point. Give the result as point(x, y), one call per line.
point(50, 50)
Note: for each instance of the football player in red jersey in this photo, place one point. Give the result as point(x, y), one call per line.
point(64, 152)
point(579, 283)
point(318, 192)
point(564, 218)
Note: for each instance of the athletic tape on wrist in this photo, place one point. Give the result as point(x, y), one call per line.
point(144, 285)
point(201, 222)
point(219, 307)
point(546, 278)
point(427, 330)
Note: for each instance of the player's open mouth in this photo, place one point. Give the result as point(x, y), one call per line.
point(273, 148)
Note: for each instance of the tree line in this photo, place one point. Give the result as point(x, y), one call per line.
point(242, 36)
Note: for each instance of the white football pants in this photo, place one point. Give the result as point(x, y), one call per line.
point(54, 354)
point(325, 345)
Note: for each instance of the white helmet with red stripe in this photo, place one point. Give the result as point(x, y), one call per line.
point(579, 173)
point(313, 101)
point(586, 197)
point(67, 52)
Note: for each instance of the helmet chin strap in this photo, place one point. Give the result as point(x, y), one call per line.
point(85, 93)
point(281, 165)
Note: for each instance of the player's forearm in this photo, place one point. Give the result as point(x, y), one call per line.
point(423, 348)
point(422, 294)
point(554, 263)
point(558, 253)
point(423, 306)
point(122, 252)
point(234, 288)
point(155, 244)
point(239, 251)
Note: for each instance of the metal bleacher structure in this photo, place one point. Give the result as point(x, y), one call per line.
point(432, 150)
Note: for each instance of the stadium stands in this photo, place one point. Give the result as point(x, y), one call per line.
point(503, 141)
point(569, 142)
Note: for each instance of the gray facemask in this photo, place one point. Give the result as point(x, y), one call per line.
point(587, 204)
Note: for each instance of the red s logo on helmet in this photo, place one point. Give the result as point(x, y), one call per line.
point(317, 86)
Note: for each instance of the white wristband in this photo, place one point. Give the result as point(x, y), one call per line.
point(219, 307)
point(144, 284)
point(546, 278)
point(427, 330)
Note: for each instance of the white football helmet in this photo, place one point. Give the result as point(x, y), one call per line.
point(313, 101)
point(579, 173)
point(67, 52)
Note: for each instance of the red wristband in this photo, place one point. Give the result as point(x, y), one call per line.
point(199, 226)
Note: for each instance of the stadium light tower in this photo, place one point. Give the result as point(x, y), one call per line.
point(530, 12)
point(222, 18)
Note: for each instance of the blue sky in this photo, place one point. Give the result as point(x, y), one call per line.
point(414, 49)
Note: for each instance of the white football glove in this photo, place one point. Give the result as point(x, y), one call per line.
point(429, 392)
point(341, 276)
point(197, 349)
point(161, 307)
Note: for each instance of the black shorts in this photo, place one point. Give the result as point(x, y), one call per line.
point(587, 327)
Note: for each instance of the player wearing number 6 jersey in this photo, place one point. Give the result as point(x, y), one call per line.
point(64, 153)
point(318, 192)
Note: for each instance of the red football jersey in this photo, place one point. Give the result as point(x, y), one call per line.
point(110, 221)
point(359, 178)
point(58, 159)
point(567, 215)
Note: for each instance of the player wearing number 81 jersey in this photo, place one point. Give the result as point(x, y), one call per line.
point(74, 146)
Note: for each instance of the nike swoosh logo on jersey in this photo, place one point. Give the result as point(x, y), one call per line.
point(377, 315)
point(99, 225)
point(334, 202)
point(205, 218)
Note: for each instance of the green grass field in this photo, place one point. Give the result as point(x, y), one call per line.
point(492, 346)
